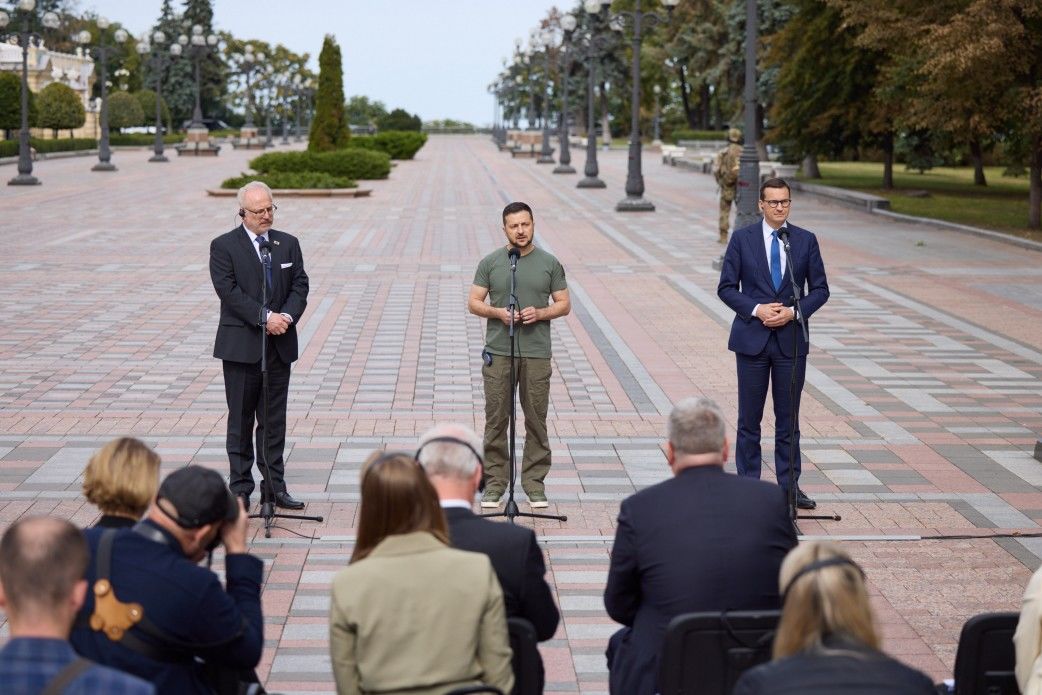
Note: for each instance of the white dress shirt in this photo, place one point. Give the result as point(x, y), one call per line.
point(768, 232)
point(253, 237)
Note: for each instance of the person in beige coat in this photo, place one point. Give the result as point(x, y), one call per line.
point(1028, 638)
point(410, 614)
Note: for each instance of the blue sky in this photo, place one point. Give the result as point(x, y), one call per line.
point(431, 57)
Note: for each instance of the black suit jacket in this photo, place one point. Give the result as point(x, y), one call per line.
point(843, 667)
point(704, 540)
point(518, 563)
point(238, 278)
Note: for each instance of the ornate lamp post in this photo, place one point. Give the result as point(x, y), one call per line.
point(749, 161)
point(198, 46)
point(249, 62)
point(637, 20)
point(298, 91)
point(25, 10)
point(158, 60)
point(543, 40)
point(101, 53)
point(595, 43)
point(568, 23)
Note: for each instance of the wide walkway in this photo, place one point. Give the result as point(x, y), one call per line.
point(922, 407)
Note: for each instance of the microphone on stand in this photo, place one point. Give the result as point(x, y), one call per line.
point(265, 251)
point(514, 253)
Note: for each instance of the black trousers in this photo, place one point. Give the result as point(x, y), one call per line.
point(242, 389)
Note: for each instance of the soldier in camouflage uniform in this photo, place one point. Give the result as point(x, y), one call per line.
point(725, 170)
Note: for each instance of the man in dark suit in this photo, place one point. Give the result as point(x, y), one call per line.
point(704, 540)
point(239, 278)
point(765, 336)
point(449, 454)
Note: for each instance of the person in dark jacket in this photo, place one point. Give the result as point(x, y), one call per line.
point(450, 455)
point(705, 540)
point(188, 616)
point(826, 642)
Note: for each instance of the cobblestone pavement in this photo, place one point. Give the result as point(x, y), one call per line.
point(922, 405)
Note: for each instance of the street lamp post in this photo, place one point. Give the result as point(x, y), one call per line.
point(568, 23)
point(249, 62)
point(594, 44)
point(544, 41)
point(637, 19)
point(25, 10)
point(101, 51)
point(656, 140)
point(299, 92)
point(158, 61)
point(749, 160)
point(198, 46)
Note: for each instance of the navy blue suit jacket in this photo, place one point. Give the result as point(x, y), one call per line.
point(704, 540)
point(745, 281)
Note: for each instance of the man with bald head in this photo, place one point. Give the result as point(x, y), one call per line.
point(42, 561)
point(449, 454)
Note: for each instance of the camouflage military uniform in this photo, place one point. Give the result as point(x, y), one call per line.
point(725, 170)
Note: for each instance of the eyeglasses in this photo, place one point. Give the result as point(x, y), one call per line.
point(777, 203)
point(270, 210)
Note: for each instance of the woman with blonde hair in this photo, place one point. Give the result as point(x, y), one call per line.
point(826, 640)
point(121, 480)
point(410, 614)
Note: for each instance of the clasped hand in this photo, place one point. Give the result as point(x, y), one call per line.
point(774, 315)
point(277, 324)
point(526, 316)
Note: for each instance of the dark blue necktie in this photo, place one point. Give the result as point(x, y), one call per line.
point(776, 275)
point(267, 268)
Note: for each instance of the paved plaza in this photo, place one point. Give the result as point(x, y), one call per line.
point(921, 411)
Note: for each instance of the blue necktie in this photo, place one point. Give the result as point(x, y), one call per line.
point(267, 268)
point(776, 275)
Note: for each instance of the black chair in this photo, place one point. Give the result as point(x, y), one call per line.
point(985, 660)
point(527, 664)
point(705, 653)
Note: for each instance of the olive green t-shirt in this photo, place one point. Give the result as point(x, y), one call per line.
point(538, 275)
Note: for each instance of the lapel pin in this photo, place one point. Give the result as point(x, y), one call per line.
point(276, 242)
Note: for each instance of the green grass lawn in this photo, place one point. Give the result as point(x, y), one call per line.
point(1001, 205)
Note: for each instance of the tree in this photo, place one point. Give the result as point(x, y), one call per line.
point(59, 108)
point(400, 119)
point(147, 100)
point(212, 71)
point(11, 104)
point(329, 129)
point(359, 110)
point(124, 111)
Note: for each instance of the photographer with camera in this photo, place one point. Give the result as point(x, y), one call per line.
point(154, 612)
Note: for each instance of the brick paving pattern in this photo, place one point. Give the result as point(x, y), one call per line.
point(921, 410)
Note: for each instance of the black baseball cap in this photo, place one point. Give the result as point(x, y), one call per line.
point(200, 497)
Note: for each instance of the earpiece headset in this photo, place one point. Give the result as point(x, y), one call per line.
point(819, 565)
point(456, 440)
point(242, 213)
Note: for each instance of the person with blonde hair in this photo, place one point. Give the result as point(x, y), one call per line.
point(410, 614)
point(1027, 639)
point(121, 480)
point(826, 640)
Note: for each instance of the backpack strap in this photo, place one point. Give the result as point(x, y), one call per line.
point(62, 679)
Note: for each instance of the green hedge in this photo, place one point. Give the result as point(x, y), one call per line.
point(400, 144)
point(284, 179)
point(143, 139)
point(354, 163)
point(9, 148)
point(685, 134)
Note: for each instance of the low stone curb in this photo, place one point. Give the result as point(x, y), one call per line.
point(301, 192)
point(977, 231)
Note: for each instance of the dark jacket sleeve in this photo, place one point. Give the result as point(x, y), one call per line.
point(817, 283)
point(297, 297)
point(537, 601)
point(729, 288)
point(222, 273)
point(622, 594)
point(236, 611)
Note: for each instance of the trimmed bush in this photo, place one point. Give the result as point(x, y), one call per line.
point(144, 139)
point(329, 129)
point(11, 102)
point(59, 108)
point(284, 179)
point(124, 111)
point(9, 148)
point(354, 163)
point(400, 119)
point(685, 134)
point(400, 144)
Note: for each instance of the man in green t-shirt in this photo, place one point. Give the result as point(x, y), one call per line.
point(539, 278)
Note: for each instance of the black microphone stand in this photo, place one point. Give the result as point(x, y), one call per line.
point(783, 234)
point(510, 510)
point(267, 508)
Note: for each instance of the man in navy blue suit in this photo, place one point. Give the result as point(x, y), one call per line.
point(765, 337)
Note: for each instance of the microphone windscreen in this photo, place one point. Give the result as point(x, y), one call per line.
point(514, 252)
